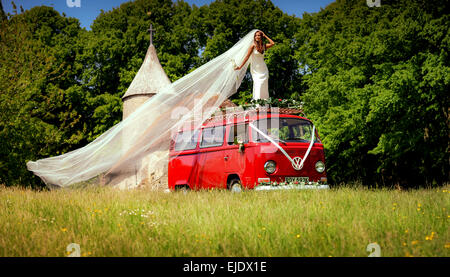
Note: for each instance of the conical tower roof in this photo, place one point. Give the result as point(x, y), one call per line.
point(150, 77)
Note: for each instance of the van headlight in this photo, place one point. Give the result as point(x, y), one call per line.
point(270, 167)
point(320, 167)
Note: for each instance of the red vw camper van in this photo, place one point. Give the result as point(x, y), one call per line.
point(255, 149)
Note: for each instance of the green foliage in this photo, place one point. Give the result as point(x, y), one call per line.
point(378, 87)
point(2, 13)
point(39, 115)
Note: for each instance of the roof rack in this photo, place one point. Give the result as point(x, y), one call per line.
point(269, 109)
point(231, 113)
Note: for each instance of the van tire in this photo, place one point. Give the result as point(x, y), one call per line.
point(182, 189)
point(235, 186)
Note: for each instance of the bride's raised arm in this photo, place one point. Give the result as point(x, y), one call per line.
point(249, 52)
point(271, 43)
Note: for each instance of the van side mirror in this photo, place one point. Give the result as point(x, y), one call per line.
point(239, 141)
point(241, 147)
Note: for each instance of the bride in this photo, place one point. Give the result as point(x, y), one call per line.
point(258, 68)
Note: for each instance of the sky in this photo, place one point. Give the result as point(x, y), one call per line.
point(90, 9)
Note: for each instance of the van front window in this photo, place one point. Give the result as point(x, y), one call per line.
point(284, 130)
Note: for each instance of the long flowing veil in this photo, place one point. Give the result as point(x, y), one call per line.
point(119, 152)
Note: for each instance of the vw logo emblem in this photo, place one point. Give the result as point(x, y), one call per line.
point(297, 163)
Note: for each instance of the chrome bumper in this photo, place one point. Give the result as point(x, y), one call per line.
point(266, 187)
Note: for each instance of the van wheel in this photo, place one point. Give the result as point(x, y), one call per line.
point(235, 186)
point(182, 189)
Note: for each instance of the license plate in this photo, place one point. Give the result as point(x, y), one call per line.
point(298, 179)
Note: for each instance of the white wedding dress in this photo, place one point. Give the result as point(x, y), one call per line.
point(260, 75)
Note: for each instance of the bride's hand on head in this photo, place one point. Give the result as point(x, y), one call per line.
point(271, 42)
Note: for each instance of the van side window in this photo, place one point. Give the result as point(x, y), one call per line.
point(212, 136)
point(238, 133)
point(186, 140)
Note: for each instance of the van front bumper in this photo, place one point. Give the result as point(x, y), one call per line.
point(281, 187)
point(266, 184)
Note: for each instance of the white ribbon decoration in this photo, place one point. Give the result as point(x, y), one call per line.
point(281, 148)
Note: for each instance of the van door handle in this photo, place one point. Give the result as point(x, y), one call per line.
point(226, 158)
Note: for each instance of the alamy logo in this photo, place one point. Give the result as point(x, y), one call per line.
point(374, 249)
point(373, 3)
point(73, 250)
point(73, 3)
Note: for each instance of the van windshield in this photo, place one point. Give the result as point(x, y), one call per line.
point(284, 130)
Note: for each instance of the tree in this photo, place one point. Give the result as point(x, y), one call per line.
point(41, 105)
point(2, 13)
point(378, 82)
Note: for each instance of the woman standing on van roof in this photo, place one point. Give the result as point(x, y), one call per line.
point(258, 68)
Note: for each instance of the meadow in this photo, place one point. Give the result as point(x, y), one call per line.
point(301, 223)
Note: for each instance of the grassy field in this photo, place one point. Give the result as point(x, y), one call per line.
point(335, 222)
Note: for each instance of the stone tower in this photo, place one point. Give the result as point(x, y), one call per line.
point(147, 82)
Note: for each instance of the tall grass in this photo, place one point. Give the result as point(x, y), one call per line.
point(336, 222)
